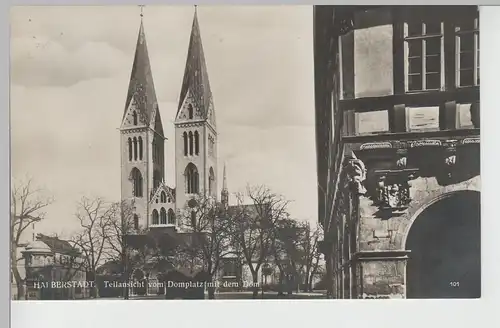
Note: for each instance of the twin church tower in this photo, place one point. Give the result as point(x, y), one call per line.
point(143, 141)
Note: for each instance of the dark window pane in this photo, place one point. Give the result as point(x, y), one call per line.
point(415, 65)
point(433, 46)
point(414, 28)
point(466, 24)
point(478, 76)
point(414, 82)
point(433, 81)
point(467, 42)
point(415, 48)
point(433, 28)
point(466, 60)
point(433, 64)
point(478, 57)
point(466, 77)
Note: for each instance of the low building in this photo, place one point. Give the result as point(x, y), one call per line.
point(54, 270)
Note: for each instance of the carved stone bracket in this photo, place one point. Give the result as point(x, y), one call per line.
point(356, 175)
point(392, 191)
point(450, 157)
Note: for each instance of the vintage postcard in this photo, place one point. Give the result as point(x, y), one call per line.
point(245, 152)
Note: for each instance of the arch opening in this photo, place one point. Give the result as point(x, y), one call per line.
point(445, 254)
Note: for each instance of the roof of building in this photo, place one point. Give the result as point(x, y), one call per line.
point(37, 246)
point(195, 75)
point(57, 245)
point(141, 90)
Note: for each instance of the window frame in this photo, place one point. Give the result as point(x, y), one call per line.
point(423, 38)
point(476, 54)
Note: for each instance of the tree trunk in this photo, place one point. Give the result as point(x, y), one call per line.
point(282, 276)
point(306, 281)
point(20, 291)
point(255, 280)
point(211, 288)
point(310, 283)
point(17, 277)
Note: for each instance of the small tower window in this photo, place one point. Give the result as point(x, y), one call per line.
point(185, 136)
point(190, 111)
point(163, 216)
point(193, 219)
point(191, 174)
point(171, 216)
point(129, 149)
point(163, 197)
point(190, 143)
point(196, 143)
point(140, 148)
point(136, 178)
point(136, 222)
point(211, 182)
point(134, 114)
point(156, 218)
point(135, 148)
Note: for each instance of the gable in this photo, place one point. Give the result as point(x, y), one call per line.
point(167, 190)
point(128, 119)
point(183, 113)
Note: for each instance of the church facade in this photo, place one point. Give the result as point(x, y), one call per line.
point(156, 204)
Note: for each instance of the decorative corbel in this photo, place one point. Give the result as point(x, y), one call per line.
point(450, 157)
point(393, 188)
point(356, 175)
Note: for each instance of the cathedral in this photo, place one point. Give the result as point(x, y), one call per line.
point(155, 204)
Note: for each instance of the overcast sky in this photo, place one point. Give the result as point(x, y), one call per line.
point(70, 68)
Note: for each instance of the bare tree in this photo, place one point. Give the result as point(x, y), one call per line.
point(311, 235)
point(118, 227)
point(210, 229)
point(94, 216)
point(27, 205)
point(254, 226)
point(288, 255)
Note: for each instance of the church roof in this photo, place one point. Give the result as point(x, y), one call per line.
point(195, 74)
point(141, 90)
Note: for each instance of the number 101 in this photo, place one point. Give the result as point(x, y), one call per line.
point(454, 284)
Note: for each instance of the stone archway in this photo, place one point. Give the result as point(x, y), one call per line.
point(444, 243)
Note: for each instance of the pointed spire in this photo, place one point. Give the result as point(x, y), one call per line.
point(224, 195)
point(141, 88)
point(195, 74)
point(224, 178)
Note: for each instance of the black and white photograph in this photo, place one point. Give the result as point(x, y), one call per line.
point(234, 152)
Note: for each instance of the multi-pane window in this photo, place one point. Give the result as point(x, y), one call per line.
point(467, 42)
point(424, 41)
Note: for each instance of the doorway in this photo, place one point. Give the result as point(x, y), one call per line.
point(445, 249)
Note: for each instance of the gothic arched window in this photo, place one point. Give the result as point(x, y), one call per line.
point(185, 136)
point(171, 216)
point(129, 149)
point(192, 177)
point(136, 222)
point(134, 115)
point(190, 143)
point(190, 111)
point(163, 216)
point(196, 143)
point(163, 197)
point(156, 179)
point(156, 218)
point(140, 148)
point(136, 178)
point(135, 148)
point(211, 182)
